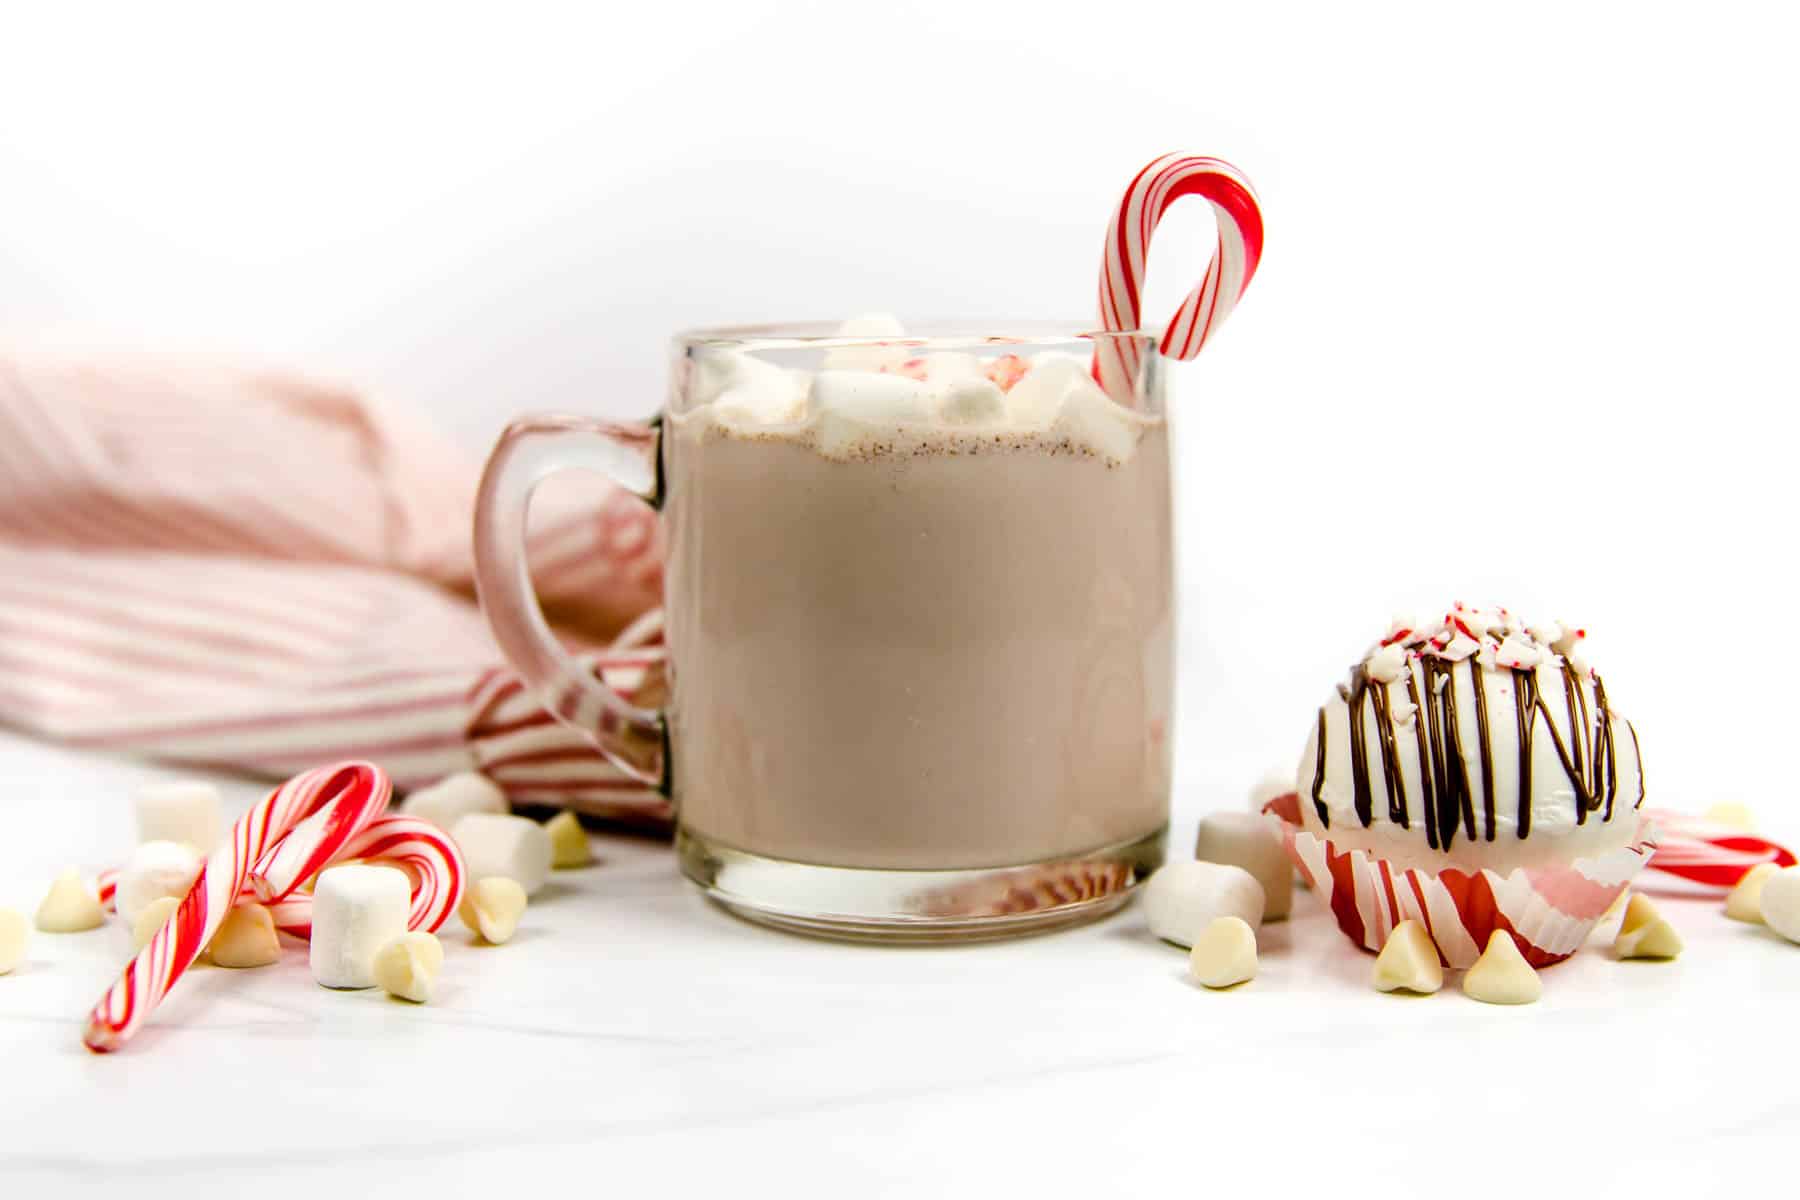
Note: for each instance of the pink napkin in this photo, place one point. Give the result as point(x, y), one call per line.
point(258, 572)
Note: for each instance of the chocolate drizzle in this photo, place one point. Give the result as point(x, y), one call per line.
point(1588, 754)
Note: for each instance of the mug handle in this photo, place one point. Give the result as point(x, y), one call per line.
point(532, 449)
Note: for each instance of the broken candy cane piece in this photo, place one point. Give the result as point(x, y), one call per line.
point(246, 938)
point(492, 907)
point(408, 966)
point(71, 906)
point(1501, 975)
point(1745, 901)
point(1224, 954)
point(568, 842)
point(1409, 961)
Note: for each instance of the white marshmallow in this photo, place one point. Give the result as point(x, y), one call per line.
point(1781, 903)
point(716, 372)
point(1183, 898)
point(181, 812)
point(356, 911)
point(949, 366)
point(154, 870)
point(1036, 399)
point(1089, 419)
point(850, 406)
point(451, 799)
point(512, 847)
point(1251, 841)
point(972, 401)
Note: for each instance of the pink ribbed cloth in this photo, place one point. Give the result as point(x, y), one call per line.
point(257, 572)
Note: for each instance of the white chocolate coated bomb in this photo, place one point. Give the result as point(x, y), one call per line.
point(1183, 898)
point(356, 911)
point(1477, 741)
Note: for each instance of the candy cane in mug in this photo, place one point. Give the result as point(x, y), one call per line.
point(1123, 265)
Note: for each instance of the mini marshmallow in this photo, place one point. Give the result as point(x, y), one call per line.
point(406, 967)
point(154, 870)
point(1036, 399)
point(70, 906)
point(972, 402)
point(1409, 961)
point(1224, 954)
point(568, 842)
point(191, 813)
point(1745, 901)
point(1183, 898)
point(245, 938)
point(356, 911)
point(1251, 841)
point(15, 935)
point(1781, 903)
point(151, 918)
point(718, 372)
point(513, 847)
point(1501, 975)
point(950, 366)
point(451, 799)
point(492, 907)
point(1090, 419)
point(1644, 933)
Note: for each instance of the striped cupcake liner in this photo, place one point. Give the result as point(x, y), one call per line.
point(1549, 911)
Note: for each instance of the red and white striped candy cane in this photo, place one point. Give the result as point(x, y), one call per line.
point(293, 833)
point(417, 846)
point(1709, 853)
point(1157, 186)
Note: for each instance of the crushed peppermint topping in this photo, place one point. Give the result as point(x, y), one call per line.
point(1495, 638)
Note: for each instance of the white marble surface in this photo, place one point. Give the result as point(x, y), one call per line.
point(635, 1040)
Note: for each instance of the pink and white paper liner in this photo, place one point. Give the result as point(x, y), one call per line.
point(1549, 911)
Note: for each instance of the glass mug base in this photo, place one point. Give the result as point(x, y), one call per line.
point(868, 905)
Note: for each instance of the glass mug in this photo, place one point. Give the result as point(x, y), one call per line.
point(920, 680)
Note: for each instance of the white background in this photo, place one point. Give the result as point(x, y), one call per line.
point(1523, 334)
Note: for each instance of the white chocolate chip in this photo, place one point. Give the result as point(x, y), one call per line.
point(15, 935)
point(568, 842)
point(1409, 961)
point(246, 938)
point(151, 918)
point(70, 907)
point(1183, 898)
point(492, 908)
point(1781, 903)
point(1735, 815)
point(1501, 975)
point(1224, 954)
point(155, 869)
point(1644, 933)
point(1745, 901)
point(408, 966)
point(1251, 841)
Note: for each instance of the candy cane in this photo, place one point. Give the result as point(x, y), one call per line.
point(1157, 186)
point(1708, 853)
point(296, 831)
